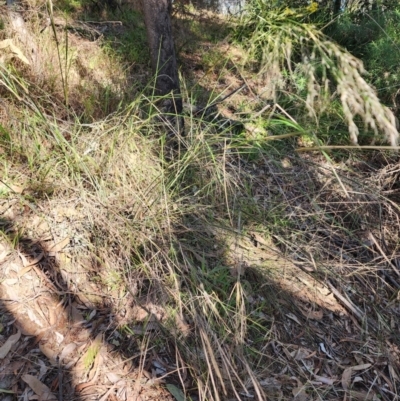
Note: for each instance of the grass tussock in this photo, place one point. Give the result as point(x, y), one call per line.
point(61, 65)
point(252, 270)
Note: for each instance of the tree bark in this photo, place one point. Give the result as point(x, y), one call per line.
point(337, 5)
point(162, 53)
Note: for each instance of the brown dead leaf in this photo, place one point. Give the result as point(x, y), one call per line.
point(271, 383)
point(325, 380)
point(346, 378)
point(362, 395)
point(40, 226)
point(28, 263)
point(293, 317)
point(362, 366)
point(68, 350)
point(299, 392)
point(108, 396)
point(11, 51)
point(260, 239)
point(67, 212)
point(113, 377)
point(25, 270)
point(301, 353)
point(148, 312)
point(76, 315)
point(312, 314)
point(59, 246)
point(49, 353)
point(17, 189)
point(138, 313)
point(6, 347)
point(39, 388)
point(11, 368)
point(27, 326)
point(4, 251)
point(25, 261)
point(10, 281)
point(182, 325)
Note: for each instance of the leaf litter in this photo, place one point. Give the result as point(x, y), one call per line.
point(340, 351)
point(343, 361)
point(37, 341)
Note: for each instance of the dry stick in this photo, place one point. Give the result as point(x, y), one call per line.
point(372, 238)
point(351, 147)
point(336, 175)
point(110, 390)
point(129, 359)
point(349, 305)
point(265, 108)
point(218, 101)
point(102, 22)
point(286, 113)
point(245, 80)
point(60, 380)
point(15, 192)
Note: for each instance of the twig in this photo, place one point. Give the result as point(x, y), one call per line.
point(265, 108)
point(218, 101)
point(102, 22)
point(286, 113)
point(351, 147)
point(372, 238)
point(60, 380)
point(349, 305)
point(8, 187)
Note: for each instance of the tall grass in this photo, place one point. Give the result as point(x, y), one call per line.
point(373, 36)
point(280, 43)
point(116, 167)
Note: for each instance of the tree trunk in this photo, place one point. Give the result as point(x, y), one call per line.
point(337, 5)
point(162, 52)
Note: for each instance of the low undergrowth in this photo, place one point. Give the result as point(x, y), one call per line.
point(264, 273)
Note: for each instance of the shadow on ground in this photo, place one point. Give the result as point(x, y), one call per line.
point(303, 303)
point(62, 337)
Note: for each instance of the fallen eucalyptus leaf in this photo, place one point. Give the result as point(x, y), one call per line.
point(39, 388)
point(5, 348)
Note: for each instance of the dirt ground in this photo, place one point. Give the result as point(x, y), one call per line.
point(57, 342)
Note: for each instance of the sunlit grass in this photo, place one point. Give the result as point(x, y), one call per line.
point(283, 45)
